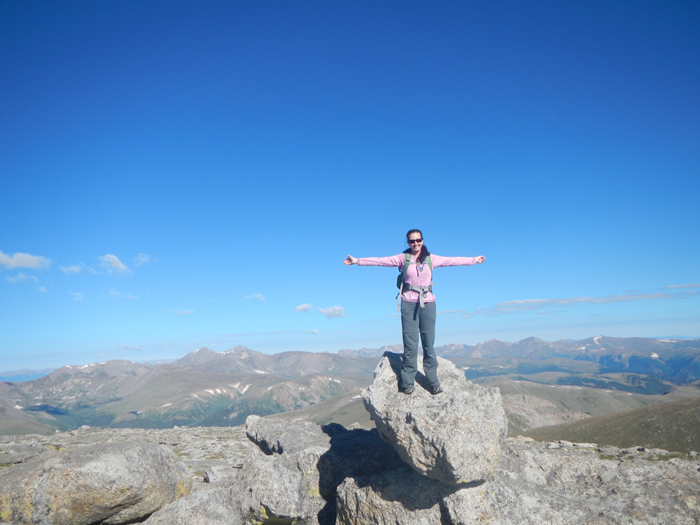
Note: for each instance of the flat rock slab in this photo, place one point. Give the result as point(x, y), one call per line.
point(103, 483)
point(455, 437)
point(201, 449)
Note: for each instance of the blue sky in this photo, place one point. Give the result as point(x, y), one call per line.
point(185, 174)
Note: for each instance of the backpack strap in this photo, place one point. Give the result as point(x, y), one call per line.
point(422, 290)
point(401, 278)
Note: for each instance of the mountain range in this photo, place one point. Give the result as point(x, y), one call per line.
point(542, 383)
point(674, 360)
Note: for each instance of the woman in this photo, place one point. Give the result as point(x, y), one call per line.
point(417, 305)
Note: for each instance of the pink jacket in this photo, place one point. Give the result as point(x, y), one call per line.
point(417, 275)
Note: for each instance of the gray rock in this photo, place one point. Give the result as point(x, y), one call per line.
point(455, 437)
point(199, 448)
point(102, 483)
point(398, 496)
point(299, 465)
point(13, 453)
point(220, 475)
point(204, 507)
point(536, 486)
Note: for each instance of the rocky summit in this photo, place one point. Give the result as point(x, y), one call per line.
point(455, 437)
point(300, 473)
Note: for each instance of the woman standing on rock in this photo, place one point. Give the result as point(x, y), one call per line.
point(417, 305)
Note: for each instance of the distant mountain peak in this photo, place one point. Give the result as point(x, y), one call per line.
point(240, 351)
point(201, 355)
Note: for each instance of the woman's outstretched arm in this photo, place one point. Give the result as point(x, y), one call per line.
point(394, 260)
point(438, 260)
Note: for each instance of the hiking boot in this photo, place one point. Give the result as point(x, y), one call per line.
point(435, 390)
point(408, 390)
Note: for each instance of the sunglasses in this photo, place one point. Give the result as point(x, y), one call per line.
point(414, 241)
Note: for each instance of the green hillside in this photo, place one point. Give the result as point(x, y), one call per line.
point(673, 426)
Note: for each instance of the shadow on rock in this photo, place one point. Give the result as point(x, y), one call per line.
point(352, 453)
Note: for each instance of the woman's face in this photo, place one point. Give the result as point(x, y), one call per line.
point(415, 241)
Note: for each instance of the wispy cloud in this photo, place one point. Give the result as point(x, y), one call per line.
point(112, 264)
point(303, 307)
point(523, 305)
point(143, 259)
point(73, 268)
point(22, 278)
point(119, 295)
point(130, 348)
point(254, 296)
point(76, 268)
point(77, 296)
point(332, 311)
point(23, 260)
point(314, 331)
point(695, 285)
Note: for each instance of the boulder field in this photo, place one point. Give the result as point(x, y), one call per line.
point(438, 460)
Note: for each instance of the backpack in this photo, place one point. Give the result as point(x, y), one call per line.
point(402, 272)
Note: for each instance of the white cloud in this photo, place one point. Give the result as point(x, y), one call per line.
point(42, 289)
point(332, 311)
point(254, 296)
point(23, 260)
point(314, 331)
point(695, 285)
point(143, 259)
point(303, 307)
point(22, 278)
point(112, 262)
point(77, 296)
point(119, 295)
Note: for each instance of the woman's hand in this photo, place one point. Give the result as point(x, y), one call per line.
point(350, 260)
point(480, 259)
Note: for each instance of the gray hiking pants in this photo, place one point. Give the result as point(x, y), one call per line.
point(414, 321)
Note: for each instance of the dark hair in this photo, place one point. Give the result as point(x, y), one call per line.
point(423, 251)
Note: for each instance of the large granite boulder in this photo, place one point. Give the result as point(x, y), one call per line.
point(455, 437)
point(299, 465)
point(100, 483)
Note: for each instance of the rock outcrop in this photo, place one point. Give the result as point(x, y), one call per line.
point(536, 485)
point(455, 437)
point(299, 465)
point(101, 483)
point(525, 482)
point(304, 474)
